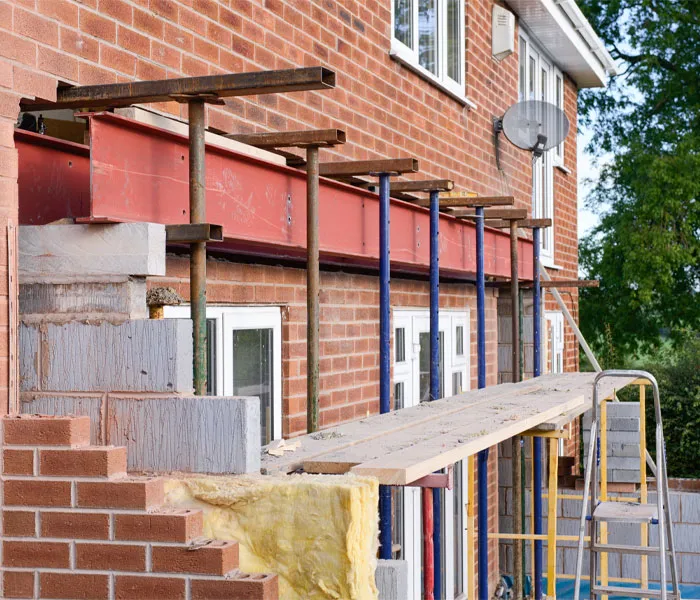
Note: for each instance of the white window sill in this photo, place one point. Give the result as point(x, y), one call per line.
point(551, 265)
point(563, 169)
point(396, 54)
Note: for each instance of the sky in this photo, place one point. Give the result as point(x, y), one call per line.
point(586, 171)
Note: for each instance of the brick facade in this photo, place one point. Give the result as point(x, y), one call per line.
point(75, 526)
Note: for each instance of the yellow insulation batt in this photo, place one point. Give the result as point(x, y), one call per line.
point(317, 532)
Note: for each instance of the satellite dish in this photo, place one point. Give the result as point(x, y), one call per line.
point(533, 125)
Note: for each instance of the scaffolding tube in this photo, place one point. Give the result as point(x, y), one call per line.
point(435, 367)
point(483, 511)
point(536, 441)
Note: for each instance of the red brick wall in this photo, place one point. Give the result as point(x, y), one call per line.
point(75, 526)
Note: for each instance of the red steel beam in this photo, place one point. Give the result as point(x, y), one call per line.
point(139, 173)
point(53, 178)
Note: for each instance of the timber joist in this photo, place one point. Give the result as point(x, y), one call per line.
point(291, 139)
point(522, 223)
point(468, 201)
point(352, 168)
point(493, 213)
point(430, 185)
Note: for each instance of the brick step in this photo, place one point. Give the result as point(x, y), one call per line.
point(91, 461)
point(181, 525)
point(42, 430)
point(203, 557)
point(136, 493)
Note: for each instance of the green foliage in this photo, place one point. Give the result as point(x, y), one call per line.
point(646, 250)
point(678, 374)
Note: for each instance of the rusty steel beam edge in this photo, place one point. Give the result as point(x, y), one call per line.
point(390, 166)
point(429, 185)
point(198, 232)
point(291, 139)
point(163, 90)
point(198, 250)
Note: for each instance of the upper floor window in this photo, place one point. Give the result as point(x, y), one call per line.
point(428, 35)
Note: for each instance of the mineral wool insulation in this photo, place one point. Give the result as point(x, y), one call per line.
point(317, 532)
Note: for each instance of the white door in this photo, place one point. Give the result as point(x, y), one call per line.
point(412, 386)
point(555, 320)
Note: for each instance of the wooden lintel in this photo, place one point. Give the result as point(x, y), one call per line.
point(291, 139)
point(189, 233)
point(430, 185)
point(369, 167)
point(209, 87)
point(469, 201)
point(560, 434)
point(523, 223)
point(494, 213)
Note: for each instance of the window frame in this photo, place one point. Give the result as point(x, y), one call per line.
point(410, 56)
point(228, 319)
point(543, 176)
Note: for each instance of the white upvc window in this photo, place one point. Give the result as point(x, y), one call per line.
point(245, 357)
point(411, 386)
point(428, 36)
point(539, 79)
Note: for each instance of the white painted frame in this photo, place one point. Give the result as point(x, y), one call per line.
point(409, 56)
point(236, 318)
point(416, 321)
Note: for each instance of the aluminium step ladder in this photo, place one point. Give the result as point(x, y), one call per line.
point(626, 512)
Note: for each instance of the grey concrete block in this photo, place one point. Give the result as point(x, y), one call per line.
point(391, 577)
point(48, 404)
point(623, 409)
point(622, 462)
point(505, 473)
point(28, 354)
point(616, 437)
point(134, 356)
point(616, 424)
point(112, 298)
point(624, 450)
point(115, 249)
point(199, 434)
point(624, 476)
point(690, 507)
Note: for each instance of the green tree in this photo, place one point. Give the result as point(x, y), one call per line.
point(646, 249)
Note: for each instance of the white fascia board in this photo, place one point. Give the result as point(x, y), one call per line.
point(576, 50)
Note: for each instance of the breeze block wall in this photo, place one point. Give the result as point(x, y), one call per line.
point(75, 525)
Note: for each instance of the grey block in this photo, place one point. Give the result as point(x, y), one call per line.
point(111, 298)
point(198, 434)
point(115, 249)
point(47, 404)
point(622, 462)
point(616, 437)
point(28, 353)
point(391, 577)
point(135, 356)
point(624, 476)
point(624, 450)
point(616, 424)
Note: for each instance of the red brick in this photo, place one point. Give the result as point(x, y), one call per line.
point(39, 430)
point(18, 523)
point(165, 55)
point(35, 27)
point(165, 8)
point(79, 44)
point(117, 59)
point(140, 494)
point(133, 42)
point(18, 462)
point(32, 83)
point(148, 23)
point(9, 108)
point(18, 48)
point(74, 586)
point(57, 63)
point(48, 555)
point(98, 26)
point(87, 526)
point(61, 10)
point(18, 584)
point(216, 558)
point(92, 75)
point(110, 557)
point(165, 526)
point(154, 588)
point(241, 587)
point(192, 21)
point(37, 493)
point(148, 71)
point(117, 9)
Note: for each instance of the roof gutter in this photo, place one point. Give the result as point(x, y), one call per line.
point(586, 31)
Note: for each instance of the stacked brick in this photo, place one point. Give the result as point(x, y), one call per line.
point(75, 525)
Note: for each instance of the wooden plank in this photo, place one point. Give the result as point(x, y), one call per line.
point(291, 139)
point(469, 201)
point(163, 90)
point(429, 185)
point(577, 283)
point(522, 224)
point(494, 213)
point(349, 434)
point(368, 167)
point(370, 428)
point(403, 463)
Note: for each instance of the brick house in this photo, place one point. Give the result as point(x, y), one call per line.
point(413, 78)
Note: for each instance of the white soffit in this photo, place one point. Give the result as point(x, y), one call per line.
point(559, 25)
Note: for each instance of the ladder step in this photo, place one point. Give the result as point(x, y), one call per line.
point(631, 592)
point(626, 512)
point(623, 549)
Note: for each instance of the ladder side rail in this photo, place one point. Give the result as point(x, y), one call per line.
point(669, 522)
point(584, 509)
point(660, 485)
